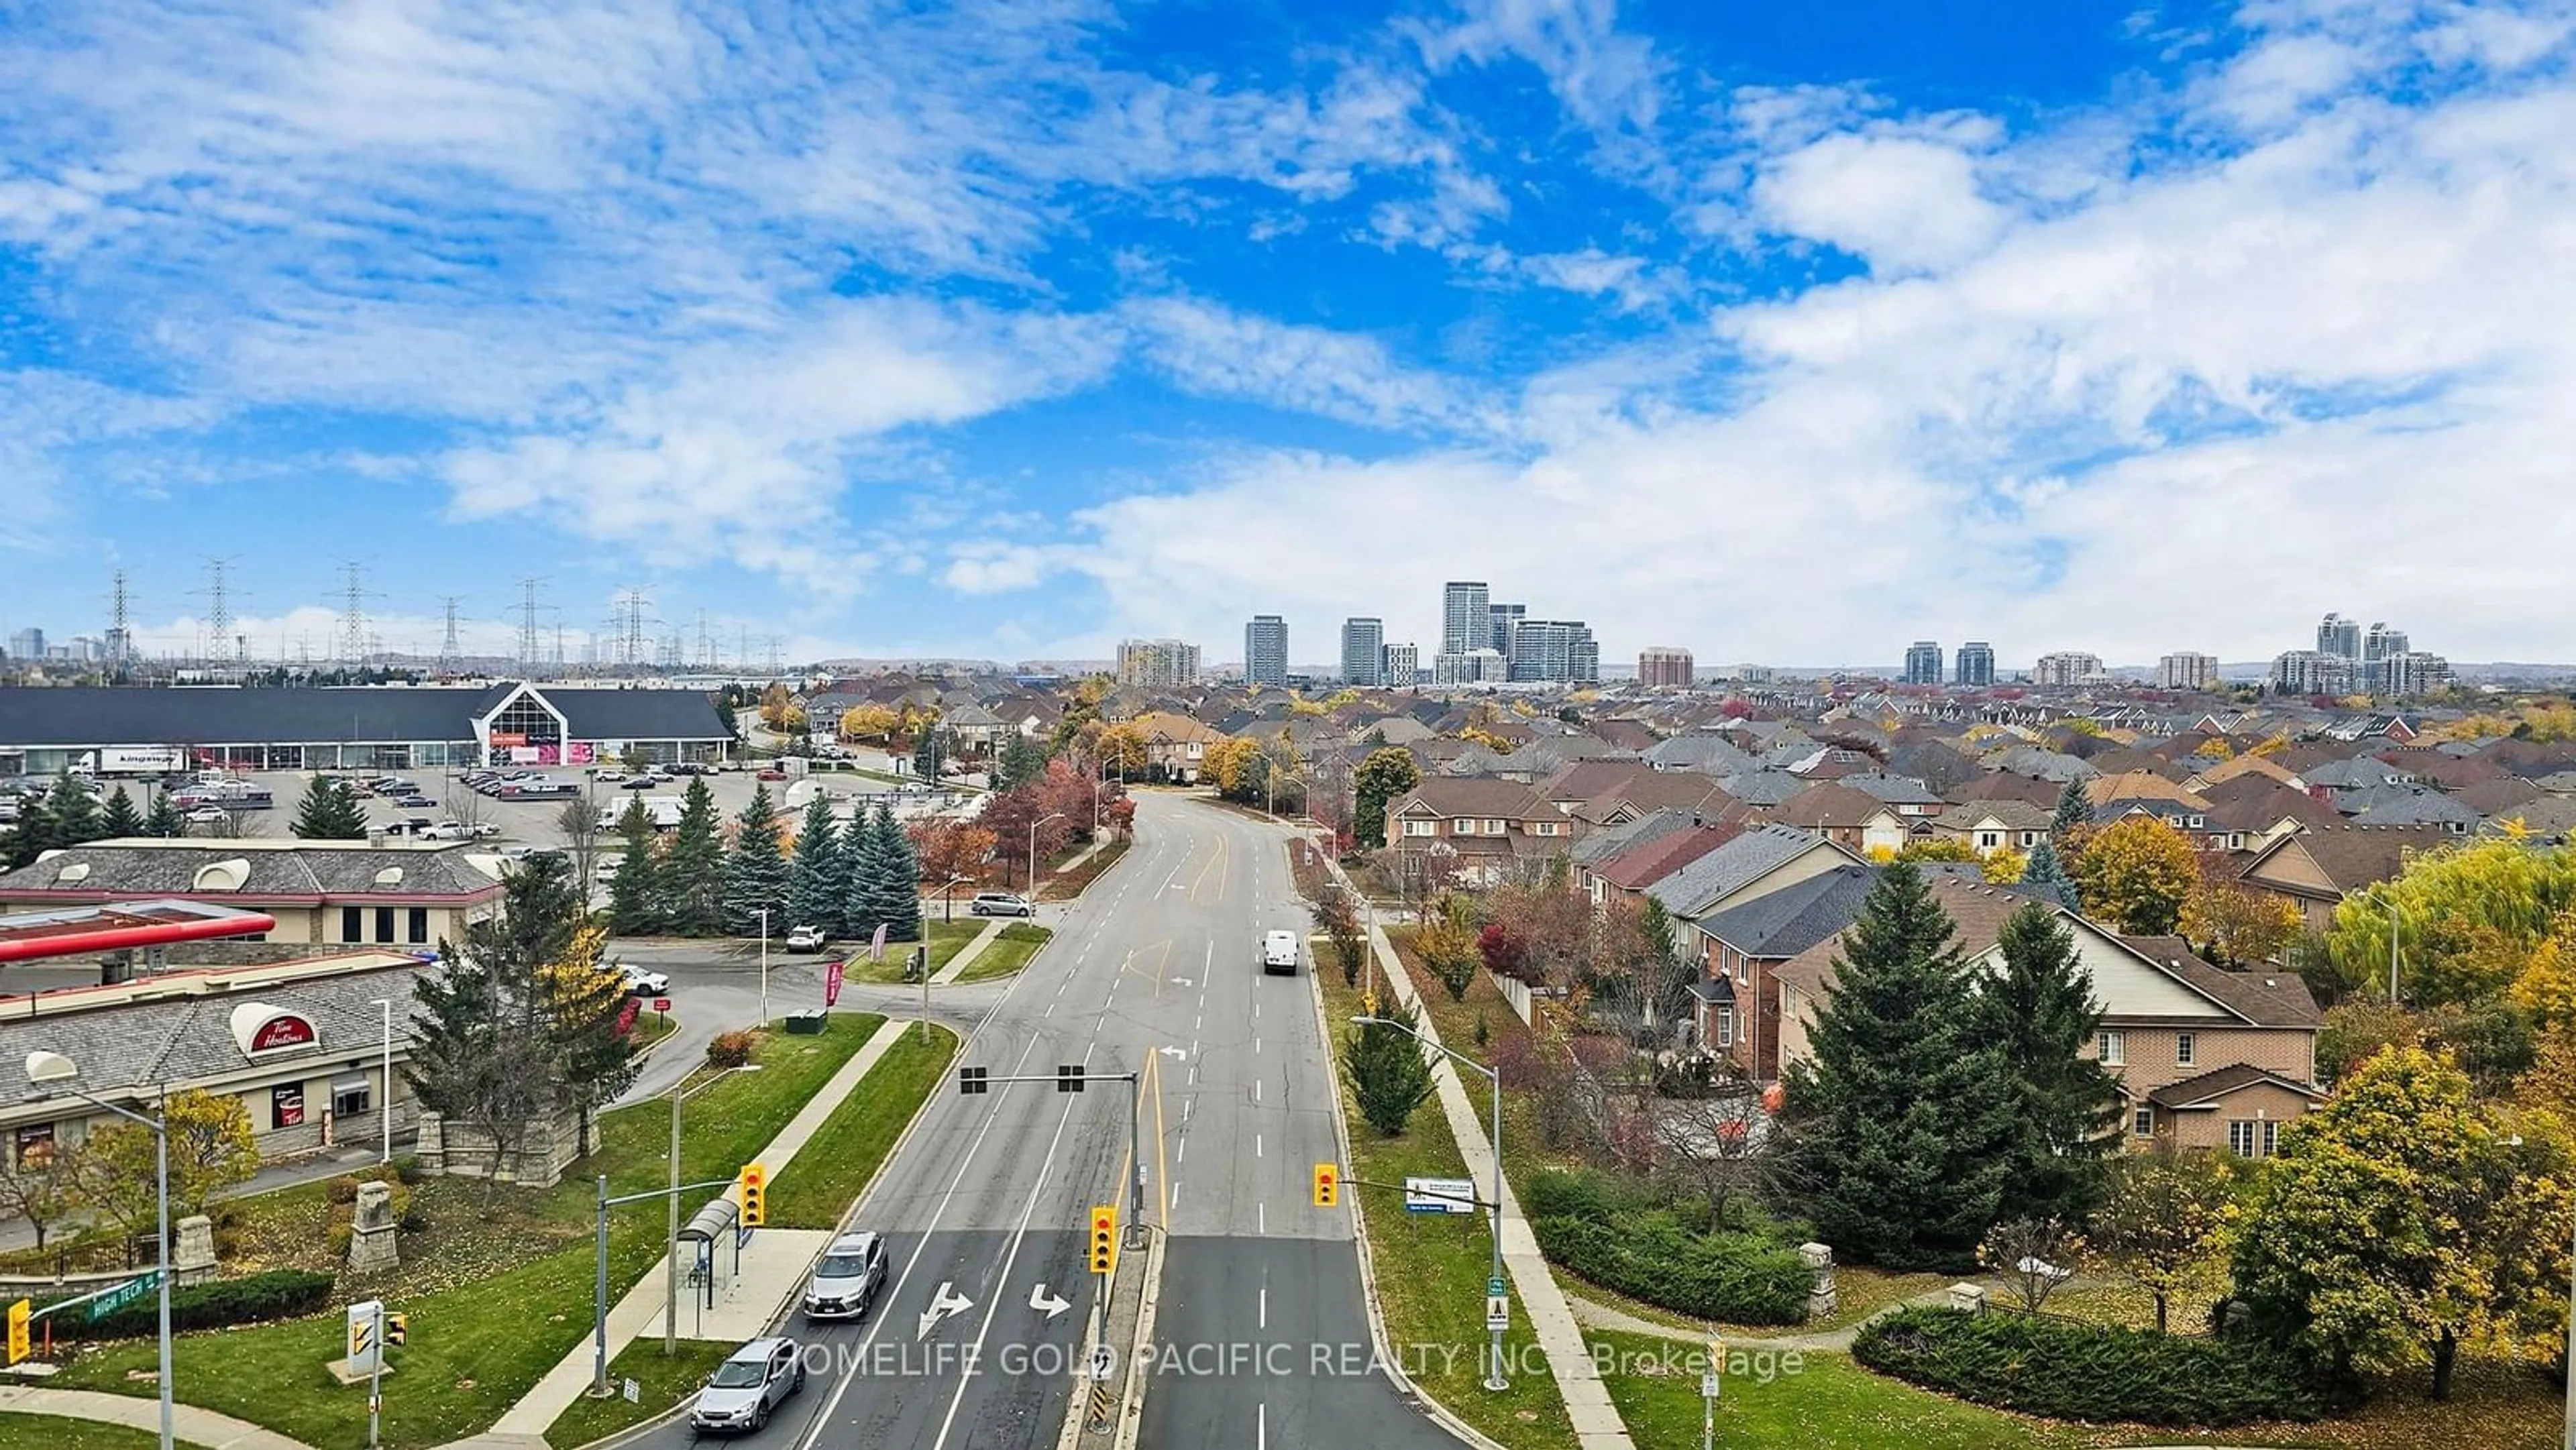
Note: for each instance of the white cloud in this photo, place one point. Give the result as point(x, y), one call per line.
point(1606, 80)
point(1211, 350)
point(1902, 203)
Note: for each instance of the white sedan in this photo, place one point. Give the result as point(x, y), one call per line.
point(207, 815)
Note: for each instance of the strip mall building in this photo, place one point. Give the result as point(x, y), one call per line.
point(367, 727)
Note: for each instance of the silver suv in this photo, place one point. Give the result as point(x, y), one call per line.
point(846, 1282)
point(749, 1385)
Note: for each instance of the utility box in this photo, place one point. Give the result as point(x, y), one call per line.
point(805, 1024)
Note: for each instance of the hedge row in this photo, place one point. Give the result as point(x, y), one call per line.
point(1734, 1278)
point(2072, 1371)
point(275, 1294)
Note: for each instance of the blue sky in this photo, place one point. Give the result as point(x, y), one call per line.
point(1785, 333)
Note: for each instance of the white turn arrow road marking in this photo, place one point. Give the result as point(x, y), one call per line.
point(942, 1304)
point(1039, 1301)
point(1177, 1054)
point(1180, 981)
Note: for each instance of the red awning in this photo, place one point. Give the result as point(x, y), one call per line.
point(72, 931)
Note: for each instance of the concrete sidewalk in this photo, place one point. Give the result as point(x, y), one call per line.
point(188, 1424)
point(773, 1267)
point(968, 953)
point(1597, 1425)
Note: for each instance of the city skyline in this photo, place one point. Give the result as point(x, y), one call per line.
point(1781, 289)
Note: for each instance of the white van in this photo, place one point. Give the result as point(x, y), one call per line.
point(1279, 953)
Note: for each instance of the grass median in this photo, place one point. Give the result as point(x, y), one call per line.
point(58, 1432)
point(479, 1341)
point(1431, 1271)
point(844, 1154)
point(1008, 952)
point(662, 1381)
point(947, 939)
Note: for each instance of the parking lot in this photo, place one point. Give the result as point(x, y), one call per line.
point(540, 823)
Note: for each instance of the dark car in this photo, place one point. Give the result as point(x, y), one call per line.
point(749, 1385)
point(416, 803)
point(641, 782)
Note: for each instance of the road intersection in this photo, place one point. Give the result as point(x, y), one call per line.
point(1262, 1334)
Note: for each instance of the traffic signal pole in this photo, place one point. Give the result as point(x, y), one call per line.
point(1070, 1078)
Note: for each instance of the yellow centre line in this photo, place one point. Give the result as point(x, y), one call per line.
point(1162, 1159)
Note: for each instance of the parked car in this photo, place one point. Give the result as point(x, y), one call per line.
point(608, 777)
point(641, 982)
point(806, 939)
point(771, 773)
point(749, 1386)
point(207, 815)
point(415, 802)
point(846, 1281)
point(483, 828)
point(641, 782)
point(445, 831)
point(1001, 903)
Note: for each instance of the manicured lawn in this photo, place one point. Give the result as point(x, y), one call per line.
point(947, 939)
point(1431, 1272)
point(1827, 1404)
point(54, 1432)
point(661, 1382)
point(1073, 883)
point(479, 1340)
point(1008, 952)
point(838, 1161)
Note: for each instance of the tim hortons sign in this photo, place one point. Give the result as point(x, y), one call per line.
point(260, 1029)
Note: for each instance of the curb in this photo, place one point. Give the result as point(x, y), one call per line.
point(1438, 1413)
point(642, 1428)
point(1131, 1404)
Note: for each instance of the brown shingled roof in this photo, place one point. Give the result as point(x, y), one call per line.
point(1643, 866)
point(2204, 1091)
point(1829, 807)
point(2353, 857)
point(2266, 999)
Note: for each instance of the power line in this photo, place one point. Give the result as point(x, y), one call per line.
point(449, 655)
point(528, 607)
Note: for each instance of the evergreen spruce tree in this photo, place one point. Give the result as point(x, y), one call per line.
point(755, 871)
point(2046, 878)
point(1900, 1113)
point(814, 878)
point(163, 819)
point(1389, 1069)
point(74, 815)
point(2074, 810)
point(901, 867)
point(693, 872)
point(635, 896)
point(120, 819)
point(1020, 761)
point(863, 869)
point(329, 812)
point(926, 754)
point(2066, 1114)
point(32, 836)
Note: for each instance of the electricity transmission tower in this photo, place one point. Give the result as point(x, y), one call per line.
point(220, 641)
point(354, 635)
point(450, 657)
point(528, 608)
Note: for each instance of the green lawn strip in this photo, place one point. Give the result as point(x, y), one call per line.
point(58, 1432)
point(834, 1167)
point(947, 939)
point(476, 1347)
point(1070, 884)
point(1009, 952)
point(661, 1382)
point(1431, 1271)
point(1826, 1403)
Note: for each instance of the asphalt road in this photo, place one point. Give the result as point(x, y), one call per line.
point(1262, 1328)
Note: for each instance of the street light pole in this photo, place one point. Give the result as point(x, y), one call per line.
point(764, 965)
point(2376, 894)
point(1033, 849)
point(51, 1070)
point(387, 1113)
point(1494, 1379)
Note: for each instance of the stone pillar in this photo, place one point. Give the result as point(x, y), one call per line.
point(192, 1252)
point(1968, 1297)
point(1821, 1299)
point(429, 1148)
point(371, 1230)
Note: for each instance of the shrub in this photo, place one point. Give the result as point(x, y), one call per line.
point(1732, 1277)
point(407, 1168)
point(342, 1190)
point(2075, 1371)
point(256, 1298)
point(730, 1049)
point(341, 1234)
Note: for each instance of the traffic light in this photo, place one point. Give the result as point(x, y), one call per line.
point(1328, 1185)
point(1104, 1238)
point(18, 1314)
point(970, 1082)
point(397, 1329)
point(1068, 1077)
point(754, 1183)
